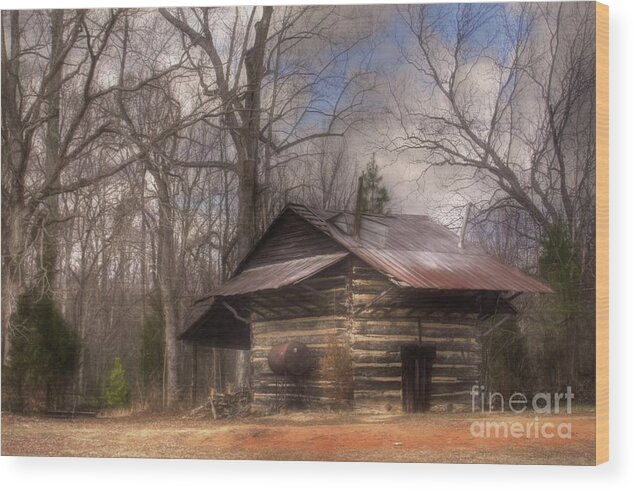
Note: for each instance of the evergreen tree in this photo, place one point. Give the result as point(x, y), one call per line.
point(375, 195)
point(571, 309)
point(505, 361)
point(44, 355)
point(117, 392)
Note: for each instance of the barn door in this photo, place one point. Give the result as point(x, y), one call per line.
point(416, 364)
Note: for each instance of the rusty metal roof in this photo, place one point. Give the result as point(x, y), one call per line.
point(277, 275)
point(412, 250)
point(268, 277)
point(415, 251)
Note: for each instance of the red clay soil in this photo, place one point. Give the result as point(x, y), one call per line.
point(307, 436)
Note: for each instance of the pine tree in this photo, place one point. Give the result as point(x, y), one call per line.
point(375, 195)
point(560, 265)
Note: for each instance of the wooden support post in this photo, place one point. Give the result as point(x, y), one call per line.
point(194, 373)
point(420, 332)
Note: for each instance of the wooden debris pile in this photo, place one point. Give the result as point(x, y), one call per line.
point(225, 405)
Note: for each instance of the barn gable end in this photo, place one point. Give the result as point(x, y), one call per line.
point(289, 237)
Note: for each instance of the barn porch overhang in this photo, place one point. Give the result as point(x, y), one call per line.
point(220, 326)
point(221, 319)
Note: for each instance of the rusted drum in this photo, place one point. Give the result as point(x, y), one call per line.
point(292, 358)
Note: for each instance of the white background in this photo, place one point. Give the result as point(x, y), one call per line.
point(48, 474)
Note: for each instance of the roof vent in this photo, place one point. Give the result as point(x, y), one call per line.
point(463, 229)
point(357, 209)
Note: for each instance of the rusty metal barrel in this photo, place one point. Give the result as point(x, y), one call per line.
point(291, 358)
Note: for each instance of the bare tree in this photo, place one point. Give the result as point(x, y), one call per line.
point(240, 103)
point(520, 131)
point(49, 59)
point(513, 108)
point(250, 83)
point(327, 178)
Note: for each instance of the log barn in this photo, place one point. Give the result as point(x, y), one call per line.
point(360, 310)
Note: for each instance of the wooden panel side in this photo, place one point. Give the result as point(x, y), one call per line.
point(290, 237)
point(602, 265)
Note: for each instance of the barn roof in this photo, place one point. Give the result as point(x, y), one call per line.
point(411, 250)
point(277, 275)
point(414, 251)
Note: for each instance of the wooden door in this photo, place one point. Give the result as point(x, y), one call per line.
point(416, 362)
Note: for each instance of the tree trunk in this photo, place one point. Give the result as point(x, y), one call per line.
point(248, 195)
point(247, 207)
point(166, 277)
point(13, 160)
point(53, 99)
point(244, 123)
point(11, 288)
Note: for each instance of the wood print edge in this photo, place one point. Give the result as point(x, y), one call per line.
point(602, 234)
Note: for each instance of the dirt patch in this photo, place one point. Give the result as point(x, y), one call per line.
point(312, 436)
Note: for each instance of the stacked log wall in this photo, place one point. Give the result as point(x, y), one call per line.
point(380, 329)
point(321, 322)
point(317, 334)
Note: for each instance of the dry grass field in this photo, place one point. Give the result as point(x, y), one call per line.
point(303, 436)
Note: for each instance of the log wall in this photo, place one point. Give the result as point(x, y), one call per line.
point(317, 317)
point(318, 334)
point(379, 330)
